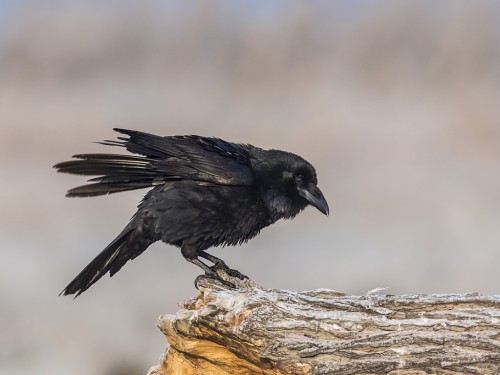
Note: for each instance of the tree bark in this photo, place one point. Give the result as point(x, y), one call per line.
point(251, 330)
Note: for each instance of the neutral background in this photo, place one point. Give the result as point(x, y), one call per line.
point(397, 104)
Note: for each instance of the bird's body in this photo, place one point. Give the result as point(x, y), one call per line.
point(185, 211)
point(205, 192)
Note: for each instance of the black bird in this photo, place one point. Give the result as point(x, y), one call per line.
point(205, 192)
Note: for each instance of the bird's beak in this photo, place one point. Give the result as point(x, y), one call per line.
point(315, 197)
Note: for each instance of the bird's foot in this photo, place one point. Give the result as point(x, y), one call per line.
point(220, 265)
point(214, 276)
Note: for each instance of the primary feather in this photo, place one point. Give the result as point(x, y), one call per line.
point(163, 159)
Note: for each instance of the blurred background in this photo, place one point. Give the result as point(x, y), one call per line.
point(397, 105)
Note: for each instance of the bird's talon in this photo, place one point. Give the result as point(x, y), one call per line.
point(237, 274)
point(198, 278)
point(214, 276)
point(229, 284)
point(220, 265)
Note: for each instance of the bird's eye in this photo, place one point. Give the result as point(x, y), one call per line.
point(298, 180)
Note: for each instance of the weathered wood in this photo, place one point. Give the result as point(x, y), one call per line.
point(253, 330)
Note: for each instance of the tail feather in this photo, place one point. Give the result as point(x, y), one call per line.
point(128, 245)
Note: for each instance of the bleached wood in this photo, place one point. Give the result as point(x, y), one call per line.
point(251, 330)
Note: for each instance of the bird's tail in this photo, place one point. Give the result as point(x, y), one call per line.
point(130, 243)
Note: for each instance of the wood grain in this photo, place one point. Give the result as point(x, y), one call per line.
point(251, 330)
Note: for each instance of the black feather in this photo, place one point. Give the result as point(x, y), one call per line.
point(205, 192)
point(130, 243)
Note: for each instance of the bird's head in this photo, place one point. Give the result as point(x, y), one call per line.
point(288, 183)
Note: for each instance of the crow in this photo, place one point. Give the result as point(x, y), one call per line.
point(205, 192)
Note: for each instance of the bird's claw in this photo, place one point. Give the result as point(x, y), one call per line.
point(214, 276)
point(236, 273)
point(220, 265)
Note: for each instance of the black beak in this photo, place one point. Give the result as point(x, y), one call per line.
point(315, 198)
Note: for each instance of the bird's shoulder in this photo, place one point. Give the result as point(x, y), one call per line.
point(219, 161)
point(239, 152)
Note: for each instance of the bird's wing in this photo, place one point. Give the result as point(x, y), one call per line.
point(209, 160)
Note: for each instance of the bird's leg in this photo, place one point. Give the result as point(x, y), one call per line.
point(219, 263)
point(191, 255)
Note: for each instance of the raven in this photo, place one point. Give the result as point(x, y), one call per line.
point(205, 192)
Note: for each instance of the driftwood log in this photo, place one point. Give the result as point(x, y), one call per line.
point(251, 330)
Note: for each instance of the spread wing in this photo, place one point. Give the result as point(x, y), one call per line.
point(203, 159)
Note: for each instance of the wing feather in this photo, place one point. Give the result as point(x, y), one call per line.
point(158, 160)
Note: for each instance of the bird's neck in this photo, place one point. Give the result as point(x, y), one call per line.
point(279, 206)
